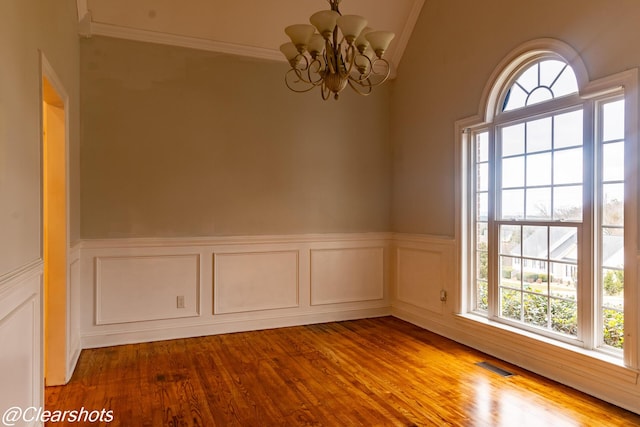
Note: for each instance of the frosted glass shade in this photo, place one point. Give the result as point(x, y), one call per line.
point(361, 42)
point(316, 44)
point(300, 34)
point(380, 40)
point(289, 50)
point(351, 26)
point(325, 21)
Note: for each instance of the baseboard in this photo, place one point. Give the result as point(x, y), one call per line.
point(112, 338)
point(73, 356)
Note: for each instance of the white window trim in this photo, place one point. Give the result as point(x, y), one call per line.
point(489, 108)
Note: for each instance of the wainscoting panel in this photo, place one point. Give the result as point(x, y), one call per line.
point(21, 375)
point(139, 288)
point(255, 281)
point(420, 277)
point(347, 274)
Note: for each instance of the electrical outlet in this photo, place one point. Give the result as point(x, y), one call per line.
point(180, 301)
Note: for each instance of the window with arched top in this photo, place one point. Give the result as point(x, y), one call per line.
point(541, 81)
point(549, 183)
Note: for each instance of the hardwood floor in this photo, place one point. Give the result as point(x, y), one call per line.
point(374, 372)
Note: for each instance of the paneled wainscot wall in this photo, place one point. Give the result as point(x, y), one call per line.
point(136, 290)
point(21, 374)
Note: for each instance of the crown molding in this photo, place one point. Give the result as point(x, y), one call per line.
point(403, 39)
point(83, 9)
point(107, 30)
point(115, 31)
point(88, 28)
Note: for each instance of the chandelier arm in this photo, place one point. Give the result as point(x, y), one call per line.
point(386, 73)
point(364, 70)
point(362, 87)
point(308, 86)
point(325, 92)
point(301, 68)
point(371, 72)
point(350, 58)
point(305, 72)
point(315, 68)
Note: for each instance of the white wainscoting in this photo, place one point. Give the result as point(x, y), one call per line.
point(130, 286)
point(22, 382)
point(347, 275)
point(424, 268)
point(145, 287)
point(253, 281)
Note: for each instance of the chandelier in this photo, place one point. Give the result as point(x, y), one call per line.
point(336, 51)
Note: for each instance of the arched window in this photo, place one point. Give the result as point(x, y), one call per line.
point(544, 80)
point(546, 196)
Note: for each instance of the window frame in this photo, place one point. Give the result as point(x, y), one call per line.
point(586, 287)
point(590, 95)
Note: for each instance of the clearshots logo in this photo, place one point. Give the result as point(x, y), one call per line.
point(18, 416)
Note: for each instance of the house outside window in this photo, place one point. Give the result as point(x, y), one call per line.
point(548, 177)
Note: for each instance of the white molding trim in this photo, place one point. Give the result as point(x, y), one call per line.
point(160, 242)
point(74, 346)
point(47, 71)
point(88, 28)
point(83, 9)
point(403, 40)
point(108, 30)
point(7, 278)
point(423, 238)
point(515, 60)
point(99, 339)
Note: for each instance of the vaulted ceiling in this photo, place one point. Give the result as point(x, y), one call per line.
point(252, 28)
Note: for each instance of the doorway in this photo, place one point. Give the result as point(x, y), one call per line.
point(54, 226)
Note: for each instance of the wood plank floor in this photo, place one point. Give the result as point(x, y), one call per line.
point(374, 372)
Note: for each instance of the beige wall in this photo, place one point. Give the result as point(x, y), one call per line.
point(454, 49)
point(27, 27)
point(178, 142)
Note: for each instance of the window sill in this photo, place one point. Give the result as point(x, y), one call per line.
point(609, 364)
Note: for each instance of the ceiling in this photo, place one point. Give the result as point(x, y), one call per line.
point(253, 28)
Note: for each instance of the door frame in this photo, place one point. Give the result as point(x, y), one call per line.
point(48, 73)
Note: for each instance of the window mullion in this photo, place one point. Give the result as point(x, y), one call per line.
point(588, 323)
point(494, 209)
